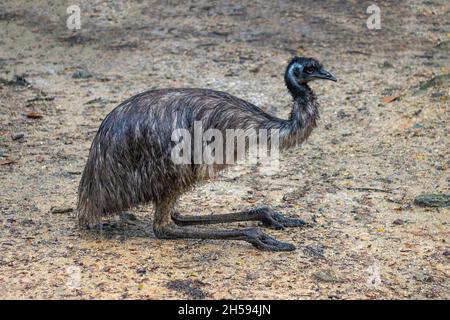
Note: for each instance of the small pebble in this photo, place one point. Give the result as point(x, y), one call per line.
point(387, 65)
point(141, 271)
point(57, 210)
point(81, 74)
point(325, 276)
point(398, 222)
point(17, 136)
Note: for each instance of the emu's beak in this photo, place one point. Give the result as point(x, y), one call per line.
point(324, 74)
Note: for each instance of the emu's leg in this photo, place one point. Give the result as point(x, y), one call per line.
point(164, 228)
point(267, 216)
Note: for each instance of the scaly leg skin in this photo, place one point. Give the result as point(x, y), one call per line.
point(254, 236)
point(164, 228)
point(267, 216)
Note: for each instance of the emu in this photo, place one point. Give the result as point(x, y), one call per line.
point(129, 162)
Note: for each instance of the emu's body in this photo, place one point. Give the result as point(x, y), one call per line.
point(130, 158)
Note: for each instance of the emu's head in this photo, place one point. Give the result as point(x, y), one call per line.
point(301, 70)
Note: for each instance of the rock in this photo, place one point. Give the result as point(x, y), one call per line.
point(423, 277)
point(81, 74)
point(142, 271)
point(387, 65)
point(437, 95)
point(433, 200)
point(10, 218)
point(252, 276)
point(444, 45)
point(398, 222)
point(255, 69)
point(342, 114)
point(325, 276)
point(19, 80)
point(17, 136)
point(58, 210)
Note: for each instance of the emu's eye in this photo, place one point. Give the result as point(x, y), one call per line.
point(309, 70)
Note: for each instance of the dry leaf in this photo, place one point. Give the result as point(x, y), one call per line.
point(34, 115)
point(7, 161)
point(389, 99)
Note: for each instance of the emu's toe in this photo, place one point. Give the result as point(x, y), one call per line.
point(276, 220)
point(264, 242)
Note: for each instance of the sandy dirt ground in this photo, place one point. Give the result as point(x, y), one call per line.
point(381, 142)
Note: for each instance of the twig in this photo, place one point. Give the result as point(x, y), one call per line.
point(368, 189)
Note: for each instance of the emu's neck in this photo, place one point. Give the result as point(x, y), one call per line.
point(302, 119)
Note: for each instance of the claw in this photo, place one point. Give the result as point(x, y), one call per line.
point(276, 220)
point(264, 242)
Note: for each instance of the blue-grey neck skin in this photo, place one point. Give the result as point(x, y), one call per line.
point(295, 88)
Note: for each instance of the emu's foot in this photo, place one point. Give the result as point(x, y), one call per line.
point(276, 220)
point(264, 242)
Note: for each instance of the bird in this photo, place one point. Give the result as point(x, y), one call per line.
point(130, 161)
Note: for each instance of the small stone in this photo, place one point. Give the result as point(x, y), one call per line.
point(326, 276)
point(141, 271)
point(342, 114)
point(444, 45)
point(255, 69)
point(252, 276)
point(423, 277)
point(58, 210)
point(17, 136)
point(19, 80)
point(437, 94)
point(398, 222)
point(81, 74)
point(387, 65)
